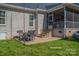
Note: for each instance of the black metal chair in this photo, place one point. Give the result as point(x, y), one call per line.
point(31, 34)
point(28, 36)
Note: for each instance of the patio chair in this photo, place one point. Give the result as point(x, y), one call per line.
point(28, 36)
point(31, 34)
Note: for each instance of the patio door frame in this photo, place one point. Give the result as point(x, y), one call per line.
point(51, 30)
point(52, 20)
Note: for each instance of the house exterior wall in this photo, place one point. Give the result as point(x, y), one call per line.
point(69, 32)
point(8, 24)
point(17, 22)
point(27, 22)
point(3, 28)
point(40, 23)
point(17, 19)
point(57, 33)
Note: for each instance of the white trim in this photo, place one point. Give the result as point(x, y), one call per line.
point(55, 8)
point(50, 26)
point(65, 22)
point(72, 4)
point(62, 6)
point(3, 17)
point(20, 8)
point(39, 10)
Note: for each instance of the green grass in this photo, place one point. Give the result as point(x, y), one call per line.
point(53, 48)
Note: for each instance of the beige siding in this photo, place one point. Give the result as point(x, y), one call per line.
point(27, 27)
point(56, 32)
point(17, 22)
point(3, 26)
point(40, 23)
point(8, 24)
point(26, 22)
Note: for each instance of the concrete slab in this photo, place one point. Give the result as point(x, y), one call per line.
point(40, 40)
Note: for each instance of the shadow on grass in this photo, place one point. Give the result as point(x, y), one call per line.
point(70, 39)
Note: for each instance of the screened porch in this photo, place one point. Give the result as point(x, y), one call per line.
point(71, 18)
point(64, 19)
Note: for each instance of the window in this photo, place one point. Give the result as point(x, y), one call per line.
point(2, 17)
point(31, 18)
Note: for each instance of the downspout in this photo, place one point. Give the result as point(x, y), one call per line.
point(24, 21)
point(64, 22)
point(36, 21)
point(73, 19)
point(24, 18)
point(52, 23)
point(11, 25)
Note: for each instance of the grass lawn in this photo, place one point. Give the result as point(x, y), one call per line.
point(53, 48)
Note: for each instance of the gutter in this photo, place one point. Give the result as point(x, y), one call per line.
point(55, 8)
point(71, 5)
point(16, 8)
point(21, 9)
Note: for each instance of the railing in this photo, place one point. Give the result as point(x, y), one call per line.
point(69, 24)
point(59, 24)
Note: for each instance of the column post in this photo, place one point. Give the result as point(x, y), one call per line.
point(11, 25)
point(73, 19)
point(36, 21)
point(24, 18)
point(64, 21)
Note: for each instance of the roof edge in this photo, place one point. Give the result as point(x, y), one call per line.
point(21, 8)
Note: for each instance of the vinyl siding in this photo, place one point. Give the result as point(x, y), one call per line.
point(40, 23)
point(18, 23)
